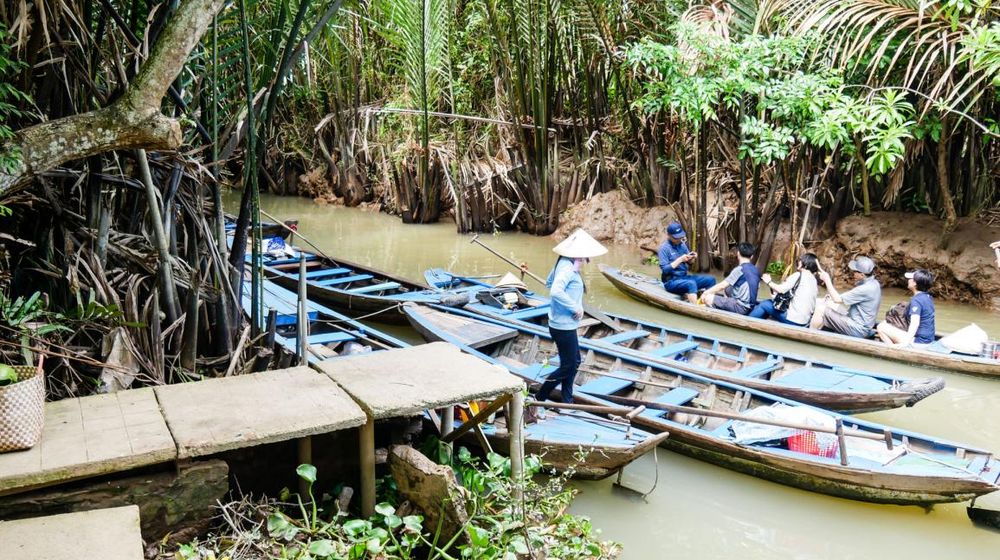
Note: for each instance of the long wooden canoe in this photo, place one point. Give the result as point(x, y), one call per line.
point(267, 229)
point(649, 290)
point(795, 377)
point(559, 438)
point(348, 287)
point(915, 469)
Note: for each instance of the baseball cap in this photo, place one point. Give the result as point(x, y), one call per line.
point(675, 230)
point(862, 264)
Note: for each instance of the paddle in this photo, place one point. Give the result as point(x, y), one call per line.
point(595, 313)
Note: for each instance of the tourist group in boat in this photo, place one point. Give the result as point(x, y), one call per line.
point(795, 301)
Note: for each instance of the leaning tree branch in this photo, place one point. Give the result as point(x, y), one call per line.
point(132, 122)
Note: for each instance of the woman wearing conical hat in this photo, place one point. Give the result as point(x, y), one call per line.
point(566, 290)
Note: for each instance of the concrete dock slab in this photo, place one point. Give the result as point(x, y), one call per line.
point(407, 381)
point(91, 436)
point(228, 413)
point(107, 534)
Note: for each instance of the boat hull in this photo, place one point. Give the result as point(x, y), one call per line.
point(653, 294)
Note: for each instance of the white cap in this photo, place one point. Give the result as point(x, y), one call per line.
point(511, 281)
point(580, 245)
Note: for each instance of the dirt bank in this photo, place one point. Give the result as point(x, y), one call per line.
point(613, 218)
point(964, 270)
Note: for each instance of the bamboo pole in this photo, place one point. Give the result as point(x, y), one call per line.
point(167, 284)
point(302, 338)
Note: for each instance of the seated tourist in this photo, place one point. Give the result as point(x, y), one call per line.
point(921, 310)
point(674, 258)
point(803, 286)
point(740, 286)
point(862, 302)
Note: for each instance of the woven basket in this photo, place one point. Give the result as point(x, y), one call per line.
point(22, 410)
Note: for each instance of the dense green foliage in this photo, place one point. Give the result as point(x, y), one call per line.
point(500, 527)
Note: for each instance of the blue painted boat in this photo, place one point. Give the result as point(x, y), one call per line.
point(348, 287)
point(710, 420)
point(798, 378)
point(267, 229)
point(649, 290)
point(331, 334)
point(559, 438)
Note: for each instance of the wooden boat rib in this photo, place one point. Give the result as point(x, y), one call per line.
point(922, 470)
point(648, 290)
point(558, 438)
point(797, 378)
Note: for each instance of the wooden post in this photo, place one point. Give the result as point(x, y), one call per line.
point(842, 442)
point(302, 339)
point(447, 425)
point(515, 426)
point(272, 327)
point(367, 448)
point(305, 458)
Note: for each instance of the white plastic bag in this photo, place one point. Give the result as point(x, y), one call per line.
point(966, 340)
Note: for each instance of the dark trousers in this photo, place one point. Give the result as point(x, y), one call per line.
point(569, 362)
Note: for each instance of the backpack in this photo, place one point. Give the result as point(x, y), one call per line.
point(782, 301)
point(898, 315)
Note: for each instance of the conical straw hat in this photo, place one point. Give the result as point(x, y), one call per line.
point(580, 245)
point(511, 281)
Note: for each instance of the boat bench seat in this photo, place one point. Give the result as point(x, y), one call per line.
point(344, 280)
point(287, 319)
point(740, 358)
point(375, 288)
point(530, 313)
point(673, 349)
point(678, 397)
point(314, 274)
point(758, 369)
point(608, 385)
point(281, 262)
point(327, 338)
point(626, 336)
point(537, 372)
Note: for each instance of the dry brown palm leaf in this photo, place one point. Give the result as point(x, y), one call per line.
point(714, 18)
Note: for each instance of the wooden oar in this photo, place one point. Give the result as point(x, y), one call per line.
point(595, 313)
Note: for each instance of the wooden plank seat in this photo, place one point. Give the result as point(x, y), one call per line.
point(282, 262)
point(344, 280)
point(626, 336)
point(330, 337)
point(717, 352)
point(677, 397)
point(314, 274)
point(674, 349)
point(758, 369)
point(288, 319)
point(608, 385)
point(375, 288)
point(530, 313)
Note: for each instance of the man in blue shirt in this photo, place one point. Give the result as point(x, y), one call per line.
point(674, 258)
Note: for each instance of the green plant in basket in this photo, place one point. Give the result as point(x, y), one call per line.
point(8, 375)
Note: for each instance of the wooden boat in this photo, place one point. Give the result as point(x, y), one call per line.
point(649, 290)
point(348, 287)
point(267, 229)
point(330, 334)
point(915, 469)
point(798, 378)
point(559, 438)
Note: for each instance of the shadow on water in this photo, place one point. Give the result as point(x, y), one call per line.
point(699, 510)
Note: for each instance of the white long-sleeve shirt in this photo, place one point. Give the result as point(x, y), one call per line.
point(803, 304)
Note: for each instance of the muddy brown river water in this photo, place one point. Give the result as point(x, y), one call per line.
point(698, 510)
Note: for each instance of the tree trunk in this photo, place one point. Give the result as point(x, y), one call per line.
point(132, 122)
point(947, 204)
